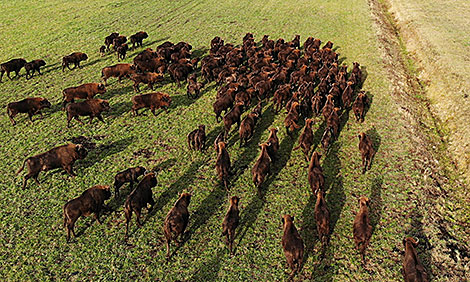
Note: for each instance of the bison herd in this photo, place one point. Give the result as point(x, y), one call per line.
point(310, 83)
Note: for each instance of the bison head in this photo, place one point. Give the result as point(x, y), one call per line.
point(101, 88)
point(144, 34)
point(411, 240)
point(81, 151)
point(185, 198)
point(83, 57)
point(140, 170)
point(45, 103)
point(105, 105)
point(41, 63)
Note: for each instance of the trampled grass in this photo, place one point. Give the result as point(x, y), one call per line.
point(32, 238)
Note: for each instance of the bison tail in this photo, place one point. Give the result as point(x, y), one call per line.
point(21, 168)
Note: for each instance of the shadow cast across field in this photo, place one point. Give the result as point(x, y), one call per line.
point(376, 202)
point(105, 150)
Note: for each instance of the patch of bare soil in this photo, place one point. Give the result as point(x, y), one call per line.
point(443, 229)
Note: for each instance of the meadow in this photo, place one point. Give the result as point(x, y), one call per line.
point(404, 201)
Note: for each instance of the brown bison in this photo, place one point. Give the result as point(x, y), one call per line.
point(231, 220)
point(31, 106)
point(139, 198)
point(14, 65)
point(222, 165)
point(413, 270)
point(102, 51)
point(84, 91)
point(359, 106)
point(322, 218)
point(274, 141)
point(233, 116)
point(316, 179)
point(149, 78)
point(367, 151)
point(129, 175)
point(292, 244)
point(362, 230)
point(92, 108)
point(109, 39)
point(247, 127)
point(119, 71)
point(121, 51)
point(118, 41)
point(136, 39)
point(292, 118)
point(176, 220)
point(306, 138)
point(33, 66)
point(197, 138)
point(60, 157)
point(154, 101)
point(261, 167)
point(74, 58)
point(90, 201)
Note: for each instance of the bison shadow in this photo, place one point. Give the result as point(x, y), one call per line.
point(50, 68)
point(103, 151)
point(376, 203)
point(376, 139)
point(110, 93)
point(119, 109)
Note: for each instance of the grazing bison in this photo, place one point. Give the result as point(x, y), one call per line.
point(194, 88)
point(84, 91)
point(316, 179)
point(154, 101)
point(92, 108)
point(306, 138)
point(261, 167)
point(31, 106)
point(222, 165)
point(413, 270)
point(74, 58)
point(176, 220)
point(231, 220)
point(109, 39)
point(33, 66)
point(197, 138)
point(292, 244)
point(322, 218)
point(14, 65)
point(90, 201)
point(60, 157)
point(359, 106)
point(149, 78)
point(367, 151)
point(362, 230)
point(128, 175)
point(136, 39)
point(139, 198)
point(119, 71)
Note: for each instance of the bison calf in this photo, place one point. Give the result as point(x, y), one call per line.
point(92, 108)
point(74, 58)
point(231, 220)
point(90, 201)
point(60, 157)
point(413, 270)
point(197, 138)
point(139, 198)
point(362, 230)
point(367, 151)
point(31, 106)
point(154, 101)
point(292, 244)
point(128, 175)
point(33, 66)
point(149, 78)
point(102, 51)
point(176, 220)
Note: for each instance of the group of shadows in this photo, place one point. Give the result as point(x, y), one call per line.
point(321, 72)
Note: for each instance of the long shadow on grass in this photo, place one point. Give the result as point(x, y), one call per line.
point(49, 68)
point(110, 93)
point(208, 271)
point(105, 150)
point(376, 139)
point(424, 246)
point(376, 203)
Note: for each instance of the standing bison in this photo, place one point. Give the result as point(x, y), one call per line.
point(14, 65)
point(31, 106)
point(74, 58)
point(32, 67)
point(137, 38)
point(60, 157)
point(153, 101)
point(119, 71)
point(92, 108)
point(84, 91)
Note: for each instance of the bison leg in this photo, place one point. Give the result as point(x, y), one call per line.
point(137, 213)
point(69, 170)
point(30, 115)
point(11, 115)
point(128, 215)
point(97, 217)
point(153, 111)
point(25, 180)
point(167, 248)
point(78, 65)
point(1, 75)
point(8, 75)
point(35, 177)
point(78, 119)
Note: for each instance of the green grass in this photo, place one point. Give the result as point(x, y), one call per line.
point(32, 239)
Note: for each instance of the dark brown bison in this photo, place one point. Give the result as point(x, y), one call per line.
point(292, 244)
point(31, 106)
point(121, 51)
point(139, 198)
point(359, 106)
point(274, 141)
point(316, 179)
point(413, 270)
point(33, 66)
point(362, 230)
point(90, 201)
point(129, 175)
point(118, 41)
point(197, 138)
point(136, 39)
point(292, 118)
point(14, 65)
point(231, 220)
point(102, 51)
point(306, 138)
point(367, 151)
point(92, 108)
point(149, 78)
point(176, 220)
point(232, 117)
point(262, 167)
point(154, 101)
point(109, 39)
point(60, 157)
point(222, 164)
point(322, 218)
point(326, 139)
point(247, 127)
point(74, 58)
point(119, 71)
point(84, 91)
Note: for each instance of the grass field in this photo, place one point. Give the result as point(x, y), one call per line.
point(32, 239)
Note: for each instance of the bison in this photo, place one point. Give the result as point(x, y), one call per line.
point(154, 101)
point(31, 106)
point(74, 58)
point(359, 106)
point(14, 65)
point(129, 175)
point(292, 118)
point(292, 244)
point(90, 201)
point(84, 91)
point(222, 165)
point(92, 108)
point(121, 51)
point(149, 78)
point(233, 117)
point(231, 220)
point(33, 66)
point(109, 39)
point(362, 230)
point(136, 39)
point(119, 71)
point(322, 218)
point(316, 179)
point(413, 270)
point(197, 138)
point(306, 138)
point(274, 141)
point(261, 167)
point(60, 157)
point(247, 127)
point(176, 220)
point(367, 151)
